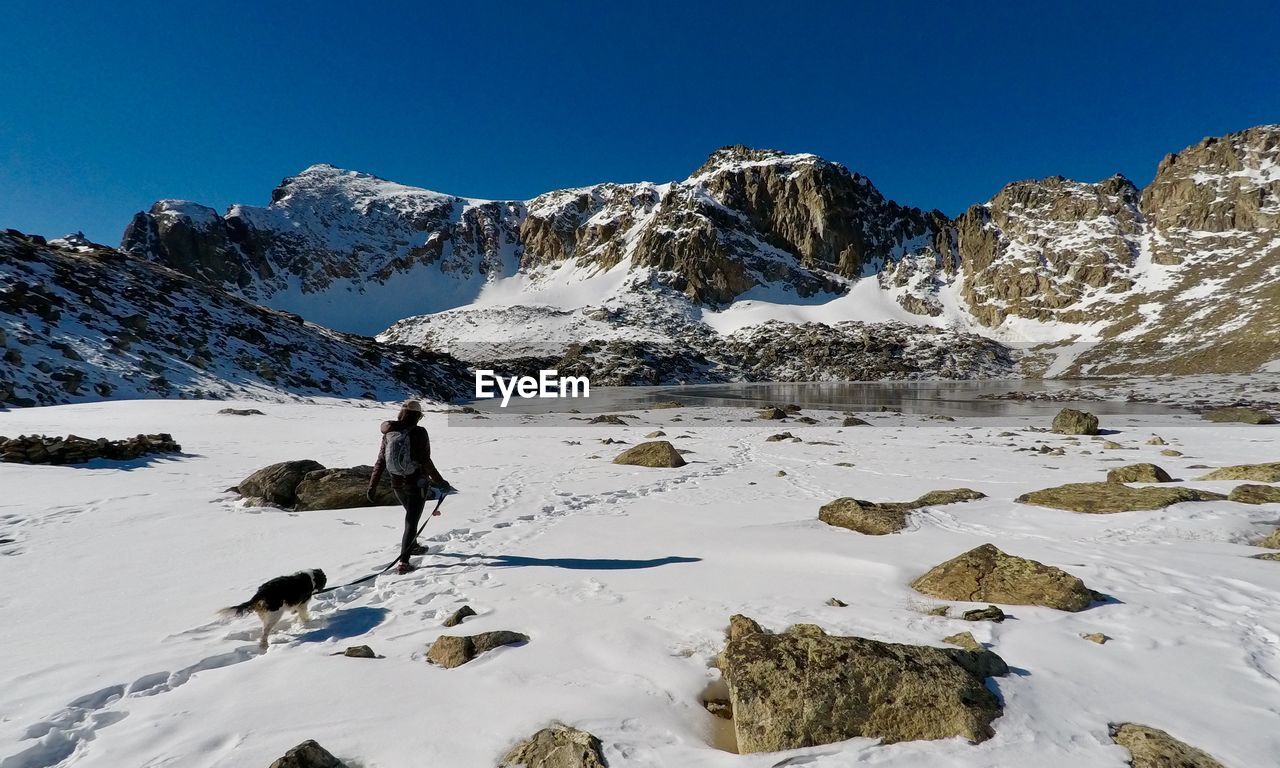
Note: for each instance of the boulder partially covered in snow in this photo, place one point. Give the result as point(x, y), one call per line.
point(1072, 422)
point(803, 687)
point(657, 453)
point(878, 518)
point(451, 651)
point(1261, 473)
point(1138, 473)
point(278, 483)
point(308, 754)
point(559, 746)
point(341, 489)
point(1239, 415)
point(985, 574)
point(1250, 493)
point(1153, 748)
point(1109, 497)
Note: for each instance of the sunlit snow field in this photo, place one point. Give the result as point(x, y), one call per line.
point(623, 577)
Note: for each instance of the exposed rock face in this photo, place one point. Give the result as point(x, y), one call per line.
point(1255, 494)
point(853, 351)
point(122, 327)
point(278, 483)
point(341, 489)
point(308, 754)
point(1026, 254)
point(1262, 473)
point(1241, 415)
point(38, 449)
point(451, 651)
point(1072, 422)
point(657, 453)
point(1153, 748)
point(1138, 473)
point(879, 518)
point(804, 687)
point(559, 746)
point(987, 574)
point(1108, 497)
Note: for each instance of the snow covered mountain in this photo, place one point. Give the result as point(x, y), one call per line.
point(80, 321)
point(1095, 277)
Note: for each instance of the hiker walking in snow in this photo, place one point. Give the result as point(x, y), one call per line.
point(406, 453)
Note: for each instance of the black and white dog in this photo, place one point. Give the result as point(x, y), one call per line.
point(276, 596)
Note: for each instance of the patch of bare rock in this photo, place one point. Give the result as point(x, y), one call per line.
point(878, 518)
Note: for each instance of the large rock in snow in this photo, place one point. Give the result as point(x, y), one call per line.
point(878, 518)
point(1249, 493)
point(1153, 748)
point(1072, 422)
point(1138, 473)
point(1109, 497)
point(559, 746)
point(1262, 473)
point(804, 687)
point(451, 651)
point(985, 574)
point(1239, 415)
point(278, 483)
point(308, 754)
point(656, 453)
point(341, 489)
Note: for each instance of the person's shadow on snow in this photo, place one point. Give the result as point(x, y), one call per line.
point(571, 563)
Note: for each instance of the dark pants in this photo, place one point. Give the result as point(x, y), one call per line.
point(413, 500)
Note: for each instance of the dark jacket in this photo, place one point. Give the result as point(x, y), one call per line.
point(419, 450)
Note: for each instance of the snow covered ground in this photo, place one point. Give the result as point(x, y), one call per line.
point(624, 579)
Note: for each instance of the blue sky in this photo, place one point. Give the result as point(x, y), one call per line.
point(106, 107)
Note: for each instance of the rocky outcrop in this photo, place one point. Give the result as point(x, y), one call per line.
point(451, 651)
point(803, 687)
point(308, 754)
point(39, 449)
point(656, 453)
point(1072, 422)
point(1138, 473)
point(879, 518)
point(1109, 497)
point(559, 746)
point(1261, 473)
point(986, 574)
point(1026, 254)
point(1153, 748)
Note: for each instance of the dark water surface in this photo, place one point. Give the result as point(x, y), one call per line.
point(940, 398)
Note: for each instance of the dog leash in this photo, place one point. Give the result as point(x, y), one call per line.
point(389, 565)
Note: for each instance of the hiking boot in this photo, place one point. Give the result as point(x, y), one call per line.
point(404, 568)
point(417, 549)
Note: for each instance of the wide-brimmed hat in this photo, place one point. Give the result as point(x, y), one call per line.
point(412, 406)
